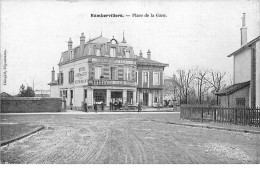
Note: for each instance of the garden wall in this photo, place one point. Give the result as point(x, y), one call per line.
point(30, 104)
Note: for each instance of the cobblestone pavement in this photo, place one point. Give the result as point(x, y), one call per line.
point(126, 138)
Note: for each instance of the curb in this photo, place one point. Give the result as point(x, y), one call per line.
point(212, 127)
point(21, 136)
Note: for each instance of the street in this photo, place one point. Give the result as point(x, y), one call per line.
point(125, 139)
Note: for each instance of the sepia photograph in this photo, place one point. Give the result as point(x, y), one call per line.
point(129, 82)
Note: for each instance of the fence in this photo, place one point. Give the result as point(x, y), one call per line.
point(237, 116)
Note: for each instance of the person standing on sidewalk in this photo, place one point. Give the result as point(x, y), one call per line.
point(102, 106)
point(95, 107)
point(139, 107)
point(85, 105)
point(110, 106)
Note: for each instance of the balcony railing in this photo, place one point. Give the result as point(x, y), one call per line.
point(111, 83)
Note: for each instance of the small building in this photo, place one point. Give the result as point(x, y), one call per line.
point(4, 94)
point(150, 82)
point(245, 90)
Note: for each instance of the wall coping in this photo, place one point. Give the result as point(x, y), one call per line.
point(29, 98)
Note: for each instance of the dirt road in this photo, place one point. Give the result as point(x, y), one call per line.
point(86, 139)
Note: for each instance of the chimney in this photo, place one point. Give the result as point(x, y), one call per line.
point(70, 48)
point(243, 30)
point(52, 75)
point(149, 54)
point(141, 54)
point(82, 43)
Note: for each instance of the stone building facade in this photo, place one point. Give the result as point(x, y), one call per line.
point(102, 70)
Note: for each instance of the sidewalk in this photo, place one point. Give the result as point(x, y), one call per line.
point(211, 125)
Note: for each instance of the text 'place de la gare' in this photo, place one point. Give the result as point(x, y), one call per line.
point(104, 70)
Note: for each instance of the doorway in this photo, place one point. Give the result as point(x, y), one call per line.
point(145, 98)
point(116, 96)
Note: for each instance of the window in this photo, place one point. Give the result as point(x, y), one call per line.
point(156, 78)
point(112, 52)
point(240, 101)
point(81, 69)
point(71, 55)
point(65, 94)
point(98, 72)
point(60, 79)
point(127, 54)
point(127, 74)
point(98, 52)
point(130, 97)
point(85, 93)
point(99, 95)
point(60, 93)
point(145, 77)
point(113, 73)
point(136, 77)
point(71, 76)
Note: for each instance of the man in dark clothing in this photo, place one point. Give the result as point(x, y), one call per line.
point(85, 105)
point(139, 107)
point(120, 105)
point(102, 106)
point(95, 107)
point(110, 105)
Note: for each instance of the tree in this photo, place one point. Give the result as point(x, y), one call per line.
point(202, 84)
point(185, 78)
point(28, 92)
point(216, 81)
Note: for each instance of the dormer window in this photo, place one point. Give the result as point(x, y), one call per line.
point(98, 52)
point(71, 54)
point(127, 54)
point(112, 52)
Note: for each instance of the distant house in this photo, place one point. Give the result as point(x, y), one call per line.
point(4, 94)
point(171, 88)
point(42, 93)
point(245, 90)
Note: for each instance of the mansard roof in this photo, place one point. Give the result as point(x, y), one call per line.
point(92, 42)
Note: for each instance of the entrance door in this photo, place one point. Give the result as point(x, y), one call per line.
point(71, 97)
point(145, 98)
point(116, 96)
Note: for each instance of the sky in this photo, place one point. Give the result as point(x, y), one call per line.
point(194, 33)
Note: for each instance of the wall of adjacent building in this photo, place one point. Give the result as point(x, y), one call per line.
point(257, 74)
point(242, 66)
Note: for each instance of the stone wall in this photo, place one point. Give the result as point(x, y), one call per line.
point(30, 104)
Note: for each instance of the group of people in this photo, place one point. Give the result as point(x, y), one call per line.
point(115, 105)
point(85, 106)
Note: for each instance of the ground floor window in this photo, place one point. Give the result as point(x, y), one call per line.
point(65, 93)
point(240, 101)
point(60, 93)
point(100, 95)
point(156, 96)
point(130, 97)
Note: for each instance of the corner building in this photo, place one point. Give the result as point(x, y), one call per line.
point(99, 70)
